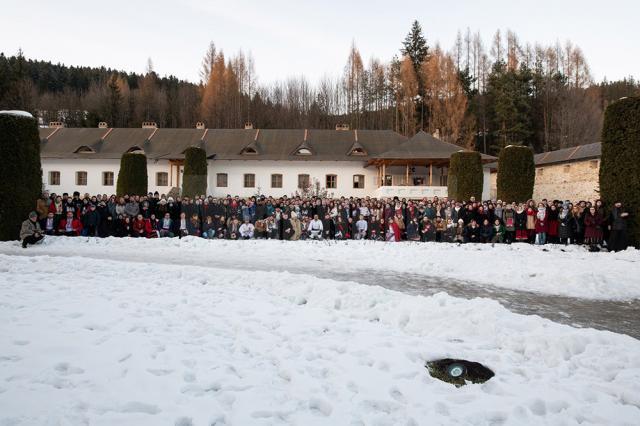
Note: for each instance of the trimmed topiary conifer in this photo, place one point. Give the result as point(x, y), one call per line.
point(465, 175)
point(195, 172)
point(132, 177)
point(516, 174)
point(20, 173)
point(620, 161)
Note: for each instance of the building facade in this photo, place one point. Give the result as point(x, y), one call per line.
point(246, 162)
point(564, 174)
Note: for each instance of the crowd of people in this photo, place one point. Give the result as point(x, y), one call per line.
point(297, 218)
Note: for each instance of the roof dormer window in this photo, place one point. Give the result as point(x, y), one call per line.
point(249, 151)
point(304, 151)
point(135, 150)
point(84, 149)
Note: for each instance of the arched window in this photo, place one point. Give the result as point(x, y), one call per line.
point(304, 151)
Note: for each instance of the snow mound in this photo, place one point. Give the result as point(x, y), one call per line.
point(552, 269)
point(96, 341)
point(17, 113)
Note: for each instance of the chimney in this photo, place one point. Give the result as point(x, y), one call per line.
point(102, 125)
point(342, 126)
point(200, 125)
point(149, 125)
point(56, 124)
point(248, 125)
point(436, 134)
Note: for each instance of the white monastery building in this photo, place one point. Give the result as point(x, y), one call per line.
point(246, 162)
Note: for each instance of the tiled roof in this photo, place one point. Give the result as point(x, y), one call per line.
point(566, 155)
point(223, 144)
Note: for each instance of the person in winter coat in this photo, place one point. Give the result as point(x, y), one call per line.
point(30, 231)
point(541, 225)
point(70, 226)
point(509, 221)
point(553, 224)
point(246, 229)
point(392, 231)
point(413, 230)
point(441, 229)
point(428, 231)
point(165, 227)
point(260, 229)
point(296, 226)
point(139, 226)
point(124, 227)
point(499, 231)
point(208, 228)
point(233, 229)
point(472, 232)
point(564, 225)
point(90, 221)
point(49, 225)
point(531, 223)
point(361, 228)
point(618, 228)
point(592, 228)
point(521, 224)
point(328, 227)
point(315, 228)
point(486, 231)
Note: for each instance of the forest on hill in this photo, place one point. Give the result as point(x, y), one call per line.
point(479, 95)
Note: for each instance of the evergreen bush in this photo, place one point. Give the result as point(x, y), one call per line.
point(132, 177)
point(195, 172)
point(465, 175)
point(620, 161)
point(516, 174)
point(20, 173)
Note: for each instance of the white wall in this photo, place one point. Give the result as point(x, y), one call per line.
point(290, 170)
point(94, 169)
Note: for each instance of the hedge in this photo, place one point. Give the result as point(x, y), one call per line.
point(132, 177)
point(620, 164)
point(465, 175)
point(195, 172)
point(516, 174)
point(20, 174)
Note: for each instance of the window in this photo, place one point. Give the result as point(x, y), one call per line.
point(84, 150)
point(81, 178)
point(54, 178)
point(303, 181)
point(107, 178)
point(162, 179)
point(304, 151)
point(566, 168)
point(593, 164)
point(276, 181)
point(358, 181)
point(388, 180)
point(357, 151)
point(221, 180)
point(249, 180)
point(444, 179)
point(249, 151)
point(332, 181)
point(135, 150)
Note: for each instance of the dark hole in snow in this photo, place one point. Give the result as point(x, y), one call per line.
point(458, 372)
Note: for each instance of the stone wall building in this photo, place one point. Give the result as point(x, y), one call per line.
point(565, 174)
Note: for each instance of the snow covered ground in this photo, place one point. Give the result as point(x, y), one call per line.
point(568, 271)
point(115, 332)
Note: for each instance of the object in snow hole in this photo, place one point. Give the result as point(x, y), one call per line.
point(458, 371)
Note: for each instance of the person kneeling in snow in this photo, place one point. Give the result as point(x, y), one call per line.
point(246, 230)
point(315, 228)
point(30, 231)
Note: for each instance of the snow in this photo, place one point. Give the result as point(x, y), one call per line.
point(552, 269)
point(17, 113)
point(134, 339)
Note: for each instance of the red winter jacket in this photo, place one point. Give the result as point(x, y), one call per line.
point(75, 224)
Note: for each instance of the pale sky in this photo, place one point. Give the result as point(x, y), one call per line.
point(311, 38)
